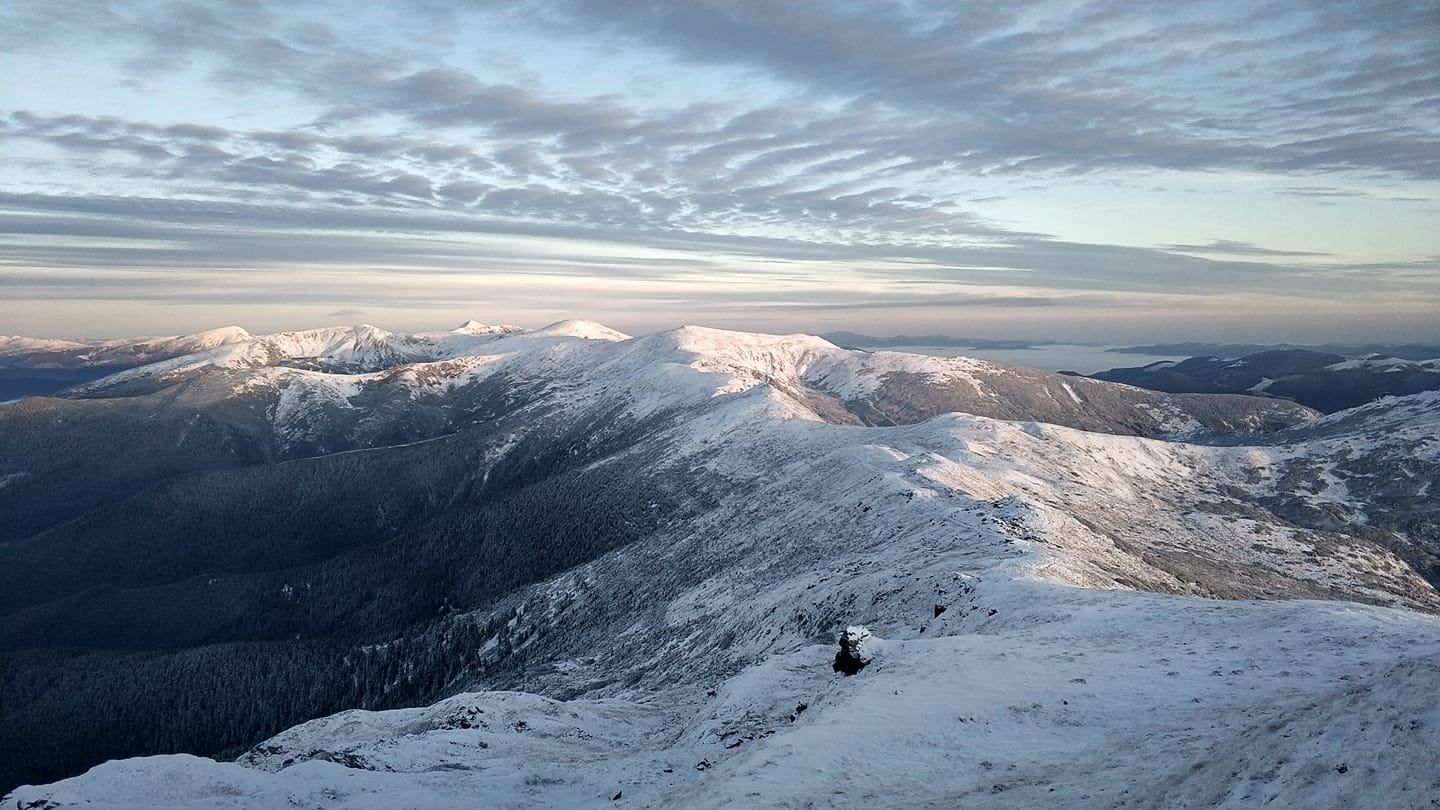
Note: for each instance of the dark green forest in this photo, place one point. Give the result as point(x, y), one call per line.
point(217, 597)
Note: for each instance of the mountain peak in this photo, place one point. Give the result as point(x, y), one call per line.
point(474, 327)
point(590, 330)
point(691, 336)
point(222, 334)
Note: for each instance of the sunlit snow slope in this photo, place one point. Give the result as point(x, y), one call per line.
point(1063, 617)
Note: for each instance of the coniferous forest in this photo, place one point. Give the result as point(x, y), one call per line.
point(213, 602)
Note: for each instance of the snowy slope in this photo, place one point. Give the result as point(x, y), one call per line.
point(1126, 701)
point(42, 353)
point(1379, 362)
point(1042, 598)
point(682, 368)
point(357, 348)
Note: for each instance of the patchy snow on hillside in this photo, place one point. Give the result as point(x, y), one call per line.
point(1072, 698)
point(1372, 362)
point(1042, 599)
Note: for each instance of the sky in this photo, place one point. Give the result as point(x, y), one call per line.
point(1120, 171)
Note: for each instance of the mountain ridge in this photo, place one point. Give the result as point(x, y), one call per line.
point(1325, 381)
point(608, 528)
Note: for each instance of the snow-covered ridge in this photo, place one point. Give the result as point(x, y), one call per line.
point(587, 330)
point(1381, 362)
point(474, 327)
point(999, 562)
point(1424, 407)
point(13, 345)
point(362, 348)
point(683, 366)
point(1042, 597)
point(45, 353)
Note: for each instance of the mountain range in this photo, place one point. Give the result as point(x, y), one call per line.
point(351, 568)
point(1405, 351)
point(856, 340)
point(1324, 381)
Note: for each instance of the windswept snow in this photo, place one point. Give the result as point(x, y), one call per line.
point(1067, 698)
point(1046, 598)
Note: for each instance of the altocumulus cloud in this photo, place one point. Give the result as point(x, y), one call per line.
point(876, 158)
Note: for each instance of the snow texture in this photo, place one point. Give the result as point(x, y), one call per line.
point(1046, 596)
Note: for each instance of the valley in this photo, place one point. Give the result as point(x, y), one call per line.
point(619, 565)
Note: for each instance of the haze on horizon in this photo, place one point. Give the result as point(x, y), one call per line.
point(1106, 171)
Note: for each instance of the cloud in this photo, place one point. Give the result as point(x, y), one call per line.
point(868, 140)
point(1038, 85)
point(1230, 247)
point(134, 232)
point(1320, 192)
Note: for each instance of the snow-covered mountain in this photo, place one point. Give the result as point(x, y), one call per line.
point(1081, 594)
point(40, 366)
point(47, 353)
point(677, 367)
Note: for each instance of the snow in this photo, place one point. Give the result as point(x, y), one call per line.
point(1370, 361)
point(126, 351)
point(198, 341)
point(473, 327)
point(677, 369)
point(299, 413)
point(744, 359)
point(25, 345)
point(1172, 422)
point(1415, 415)
point(362, 348)
point(1080, 658)
point(1097, 699)
point(588, 330)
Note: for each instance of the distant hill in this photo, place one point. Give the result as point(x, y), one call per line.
point(1324, 381)
point(855, 340)
point(1404, 351)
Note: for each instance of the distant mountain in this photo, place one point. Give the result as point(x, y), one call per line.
point(21, 352)
point(640, 551)
point(37, 366)
point(1405, 351)
point(1320, 380)
point(855, 340)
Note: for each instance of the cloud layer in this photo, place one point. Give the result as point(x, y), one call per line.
point(878, 158)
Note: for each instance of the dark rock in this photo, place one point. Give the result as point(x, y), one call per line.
point(852, 655)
